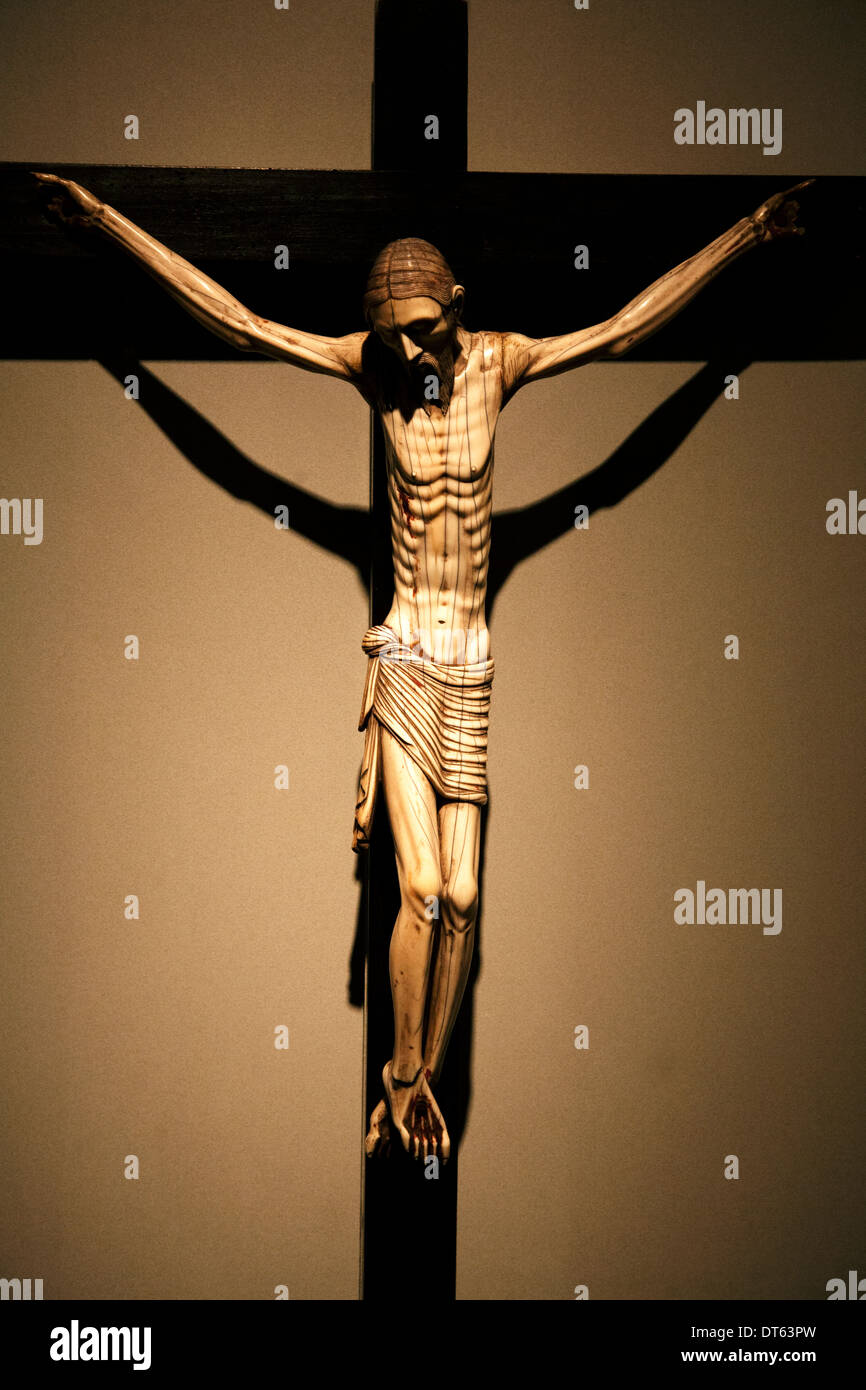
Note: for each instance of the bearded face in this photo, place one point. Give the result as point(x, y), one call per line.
point(413, 306)
point(423, 336)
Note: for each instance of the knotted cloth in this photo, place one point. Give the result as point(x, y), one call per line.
point(438, 712)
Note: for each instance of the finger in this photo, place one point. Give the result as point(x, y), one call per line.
point(422, 1118)
point(46, 178)
point(787, 196)
point(419, 1130)
point(435, 1129)
point(779, 200)
point(413, 1132)
point(437, 1141)
point(430, 1131)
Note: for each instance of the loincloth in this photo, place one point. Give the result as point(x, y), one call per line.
point(438, 712)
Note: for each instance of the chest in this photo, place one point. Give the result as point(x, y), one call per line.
point(456, 446)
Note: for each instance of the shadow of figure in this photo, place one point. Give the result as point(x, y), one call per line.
point(355, 534)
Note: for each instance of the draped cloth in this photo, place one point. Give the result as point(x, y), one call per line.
point(438, 712)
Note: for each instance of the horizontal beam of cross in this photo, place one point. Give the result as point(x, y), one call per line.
point(511, 239)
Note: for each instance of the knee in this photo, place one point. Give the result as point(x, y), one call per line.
point(460, 904)
point(422, 891)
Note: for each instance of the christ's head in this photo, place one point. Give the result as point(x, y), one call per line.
point(413, 305)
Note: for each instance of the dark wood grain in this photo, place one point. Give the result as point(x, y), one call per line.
point(509, 237)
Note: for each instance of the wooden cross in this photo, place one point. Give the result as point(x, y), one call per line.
point(510, 239)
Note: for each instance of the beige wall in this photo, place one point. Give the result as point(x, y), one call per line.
point(157, 1038)
point(605, 1167)
point(602, 1167)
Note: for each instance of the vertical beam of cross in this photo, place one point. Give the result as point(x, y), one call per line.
point(419, 123)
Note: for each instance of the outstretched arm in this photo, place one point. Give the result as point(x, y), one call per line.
point(202, 297)
point(530, 359)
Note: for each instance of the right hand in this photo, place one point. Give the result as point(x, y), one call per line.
point(68, 203)
point(777, 217)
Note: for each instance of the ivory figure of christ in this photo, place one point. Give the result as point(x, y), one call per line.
point(438, 389)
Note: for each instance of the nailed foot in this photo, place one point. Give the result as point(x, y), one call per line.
point(415, 1116)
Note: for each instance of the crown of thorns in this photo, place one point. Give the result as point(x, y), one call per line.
point(407, 269)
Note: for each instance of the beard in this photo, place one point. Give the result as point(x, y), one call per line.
point(442, 368)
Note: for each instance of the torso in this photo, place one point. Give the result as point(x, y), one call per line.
point(440, 488)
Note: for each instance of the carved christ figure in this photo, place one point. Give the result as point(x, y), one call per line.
point(438, 389)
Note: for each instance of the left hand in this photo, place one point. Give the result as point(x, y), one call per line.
point(777, 217)
point(67, 202)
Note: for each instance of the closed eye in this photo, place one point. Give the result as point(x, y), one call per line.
point(413, 330)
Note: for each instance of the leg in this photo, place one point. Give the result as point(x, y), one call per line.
point(459, 835)
point(414, 825)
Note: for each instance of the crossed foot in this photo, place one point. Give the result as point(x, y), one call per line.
point(410, 1108)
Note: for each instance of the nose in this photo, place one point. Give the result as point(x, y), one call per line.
point(409, 349)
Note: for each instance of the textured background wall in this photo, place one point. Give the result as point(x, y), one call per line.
point(602, 1167)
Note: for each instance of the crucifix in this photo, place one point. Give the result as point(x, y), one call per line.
point(437, 389)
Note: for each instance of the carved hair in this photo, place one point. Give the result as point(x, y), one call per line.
point(408, 269)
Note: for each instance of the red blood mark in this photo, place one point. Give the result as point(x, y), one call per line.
point(404, 503)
